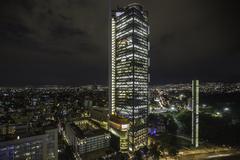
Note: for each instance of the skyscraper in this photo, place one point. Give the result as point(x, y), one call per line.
point(195, 112)
point(129, 70)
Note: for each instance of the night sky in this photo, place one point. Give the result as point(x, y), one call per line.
point(64, 42)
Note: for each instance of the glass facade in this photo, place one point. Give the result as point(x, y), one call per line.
point(129, 70)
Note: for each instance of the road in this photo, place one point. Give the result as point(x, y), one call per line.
point(228, 155)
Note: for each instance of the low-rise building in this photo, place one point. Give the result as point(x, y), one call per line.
point(100, 115)
point(119, 126)
point(85, 136)
point(37, 145)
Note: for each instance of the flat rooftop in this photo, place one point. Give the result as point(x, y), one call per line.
point(24, 131)
point(86, 128)
point(119, 119)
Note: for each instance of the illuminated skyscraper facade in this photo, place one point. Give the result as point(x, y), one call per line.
point(195, 113)
point(129, 70)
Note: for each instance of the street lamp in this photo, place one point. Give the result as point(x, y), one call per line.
point(172, 108)
point(226, 109)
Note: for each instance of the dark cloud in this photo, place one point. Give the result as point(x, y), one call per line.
point(167, 38)
point(60, 31)
point(65, 41)
point(11, 30)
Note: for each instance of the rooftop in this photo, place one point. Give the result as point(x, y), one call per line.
point(86, 128)
point(119, 119)
point(24, 130)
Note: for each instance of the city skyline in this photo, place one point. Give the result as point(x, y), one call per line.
point(109, 79)
point(65, 43)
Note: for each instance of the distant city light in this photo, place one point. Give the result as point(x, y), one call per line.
point(226, 109)
point(181, 95)
point(217, 114)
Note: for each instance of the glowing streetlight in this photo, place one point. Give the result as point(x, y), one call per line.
point(226, 109)
point(172, 108)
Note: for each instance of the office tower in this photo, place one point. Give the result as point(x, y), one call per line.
point(195, 112)
point(129, 70)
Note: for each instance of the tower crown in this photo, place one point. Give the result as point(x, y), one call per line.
point(135, 5)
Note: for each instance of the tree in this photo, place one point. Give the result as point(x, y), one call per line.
point(122, 156)
point(138, 155)
point(155, 150)
point(172, 150)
